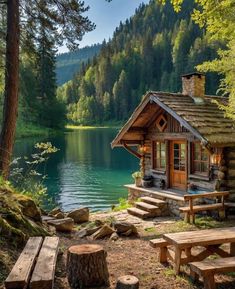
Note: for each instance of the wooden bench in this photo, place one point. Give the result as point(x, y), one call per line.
point(190, 210)
point(208, 268)
point(35, 266)
point(162, 244)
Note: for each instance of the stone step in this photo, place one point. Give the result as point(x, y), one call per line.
point(147, 207)
point(138, 213)
point(153, 201)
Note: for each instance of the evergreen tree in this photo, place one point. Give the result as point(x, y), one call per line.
point(65, 22)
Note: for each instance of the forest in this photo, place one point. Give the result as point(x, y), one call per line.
point(69, 63)
point(150, 51)
point(69, 201)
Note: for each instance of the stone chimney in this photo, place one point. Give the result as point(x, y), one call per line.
point(194, 85)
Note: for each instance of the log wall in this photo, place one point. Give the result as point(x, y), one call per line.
point(230, 164)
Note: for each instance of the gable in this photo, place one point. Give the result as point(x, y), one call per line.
point(206, 121)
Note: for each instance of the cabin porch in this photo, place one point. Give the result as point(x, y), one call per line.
point(174, 199)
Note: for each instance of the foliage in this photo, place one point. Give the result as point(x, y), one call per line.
point(122, 205)
point(69, 63)
point(218, 17)
point(136, 175)
point(149, 51)
point(26, 173)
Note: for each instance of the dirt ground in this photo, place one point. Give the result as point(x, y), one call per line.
point(134, 256)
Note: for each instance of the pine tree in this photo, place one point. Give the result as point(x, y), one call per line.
point(65, 21)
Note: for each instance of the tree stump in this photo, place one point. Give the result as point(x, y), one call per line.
point(127, 282)
point(87, 266)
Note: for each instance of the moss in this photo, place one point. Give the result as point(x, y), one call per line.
point(14, 225)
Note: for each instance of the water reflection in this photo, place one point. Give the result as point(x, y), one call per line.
point(86, 171)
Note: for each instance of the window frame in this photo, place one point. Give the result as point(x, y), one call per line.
point(156, 163)
point(200, 161)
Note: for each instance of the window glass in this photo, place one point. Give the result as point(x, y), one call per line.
point(159, 162)
point(200, 160)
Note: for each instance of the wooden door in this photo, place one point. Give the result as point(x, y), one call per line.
point(178, 167)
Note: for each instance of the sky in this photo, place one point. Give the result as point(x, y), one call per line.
point(106, 16)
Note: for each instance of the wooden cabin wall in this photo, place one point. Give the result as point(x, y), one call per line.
point(173, 131)
point(230, 164)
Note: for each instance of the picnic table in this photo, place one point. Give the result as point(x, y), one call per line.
point(210, 240)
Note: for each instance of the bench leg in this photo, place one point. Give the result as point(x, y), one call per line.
point(177, 260)
point(192, 217)
point(232, 249)
point(222, 214)
point(194, 276)
point(209, 281)
point(187, 217)
point(163, 255)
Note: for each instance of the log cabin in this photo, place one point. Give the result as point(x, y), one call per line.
point(184, 141)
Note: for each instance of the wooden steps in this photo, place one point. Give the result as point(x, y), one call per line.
point(139, 213)
point(148, 208)
point(153, 201)
point(153, 210)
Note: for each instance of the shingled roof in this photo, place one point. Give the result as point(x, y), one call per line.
point(206, 121)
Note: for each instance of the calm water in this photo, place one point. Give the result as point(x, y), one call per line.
point(86, 171)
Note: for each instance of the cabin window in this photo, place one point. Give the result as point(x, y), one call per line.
point(161, 123)
point(200, 160)
point(159, 156)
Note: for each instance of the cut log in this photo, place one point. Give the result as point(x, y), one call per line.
point(20, 274)
point(87, 266)
point(62, 225)
point(104, 231)
point(127, 282)
point(44, 271)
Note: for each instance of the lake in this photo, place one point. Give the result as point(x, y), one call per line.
point(85, 171)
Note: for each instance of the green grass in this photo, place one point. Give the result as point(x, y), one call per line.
point(31, 130)
point(123, 205)
point(103, 125)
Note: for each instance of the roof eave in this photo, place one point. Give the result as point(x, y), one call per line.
point(124, 129)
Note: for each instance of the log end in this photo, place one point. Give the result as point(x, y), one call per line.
point(127, 281)
point(85, 249)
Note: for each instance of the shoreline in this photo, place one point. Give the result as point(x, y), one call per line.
point(27, 131)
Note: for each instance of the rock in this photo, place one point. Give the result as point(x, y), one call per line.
point(125, 228)
point(104, 231)
point(79, 215)
point(81, 233)
point(60, 215)
point(87, 232)
point(47, 218)
point(62, 225)
point(99, 223)
point(54, 212)
point(29, 208)
point(114, 237)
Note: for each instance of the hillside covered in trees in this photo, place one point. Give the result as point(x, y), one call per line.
point(150, 51)
point(69, 63)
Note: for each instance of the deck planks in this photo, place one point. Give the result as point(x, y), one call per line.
point(44, 272)
point(21, 272)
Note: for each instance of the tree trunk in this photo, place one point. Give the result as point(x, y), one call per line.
point(11, 87)
point(127, 282)
point(87, 266)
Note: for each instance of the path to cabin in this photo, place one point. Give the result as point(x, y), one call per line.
point(135, 256)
